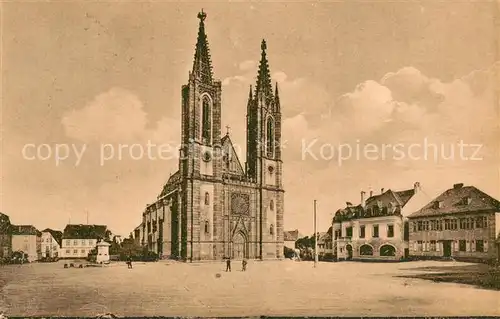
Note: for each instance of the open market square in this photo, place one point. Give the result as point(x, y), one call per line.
point(274, 288)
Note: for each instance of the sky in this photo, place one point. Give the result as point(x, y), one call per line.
point(90, 79)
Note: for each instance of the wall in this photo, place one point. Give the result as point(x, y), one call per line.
point(376, 243)
point(29, 244)
point(488, 235)
point(49, 246)
point(77, 248)
point(5, 245)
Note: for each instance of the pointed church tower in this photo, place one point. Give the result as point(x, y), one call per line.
point(264, 128)
point(264, 164)
point(200, 163)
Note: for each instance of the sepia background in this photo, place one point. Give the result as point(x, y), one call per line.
point(374, 72)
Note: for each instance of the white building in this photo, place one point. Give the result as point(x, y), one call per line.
point(27, 239)
point(79, 240)
point(51, 243)
point(378, 227)
point(102, 252)
point(290, 237)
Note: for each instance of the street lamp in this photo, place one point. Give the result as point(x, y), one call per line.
point(315, 238)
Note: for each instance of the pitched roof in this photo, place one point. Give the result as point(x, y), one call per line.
point(291, 235)
point(171, 183)
point(24, 230)
point(390, 196)
point(4, 222)
point(405, 196)
point(84, 232)
point(348, 213)
point(454, 201)
point(323, 236)
point(55, 233)
point(228, 148)
point(388, 203)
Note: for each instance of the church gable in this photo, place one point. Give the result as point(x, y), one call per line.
point(231, 163)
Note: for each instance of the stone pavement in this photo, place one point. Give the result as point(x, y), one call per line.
point(285, 288)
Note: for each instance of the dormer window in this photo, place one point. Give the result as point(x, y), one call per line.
point(466, 201)
point(438, 204)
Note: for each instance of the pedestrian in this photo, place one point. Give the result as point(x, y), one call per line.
point(228, 265)
point(129, 262)
point(244, 265)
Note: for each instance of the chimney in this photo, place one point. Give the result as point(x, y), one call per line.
point(458, 186)
point(381, 191)
point(363, 198)
point(416, 187)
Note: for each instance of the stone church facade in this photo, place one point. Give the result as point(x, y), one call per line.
point(214, 207)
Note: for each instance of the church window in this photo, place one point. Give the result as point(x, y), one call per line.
point(271, 230)
point(206, 122)
point(207, 224)
point(271, 205)
point(207, 198)
point(270, 137)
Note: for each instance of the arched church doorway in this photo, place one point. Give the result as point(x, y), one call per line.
point(239, 246)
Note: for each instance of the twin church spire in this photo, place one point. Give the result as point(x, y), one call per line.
point(264, 85)
point(202, 65)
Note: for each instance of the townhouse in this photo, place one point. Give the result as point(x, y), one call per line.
point(27, 239)
point(51, 243)
point(377, 228)
point(324, 243)
point(79, 240)
point(461, 223)
point(290, 237)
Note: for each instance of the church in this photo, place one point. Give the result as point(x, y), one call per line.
point(216, 206)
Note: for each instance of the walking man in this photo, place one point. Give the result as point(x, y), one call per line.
point(228, 265)
point(129, 262)
point(244, 265)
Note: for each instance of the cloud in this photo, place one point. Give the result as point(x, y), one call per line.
point(248, 65)
point(279, 77)
point(404, 106)
point(236, 78)
point(116, 115)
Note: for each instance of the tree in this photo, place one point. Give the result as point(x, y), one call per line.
point(130, 247)
point(115, 248)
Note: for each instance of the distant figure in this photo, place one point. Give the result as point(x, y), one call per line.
point(244, 265)
point(228, 264)
point(129, 262)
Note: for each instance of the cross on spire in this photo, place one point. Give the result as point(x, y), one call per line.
point(202, 15)
point(227, 128)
